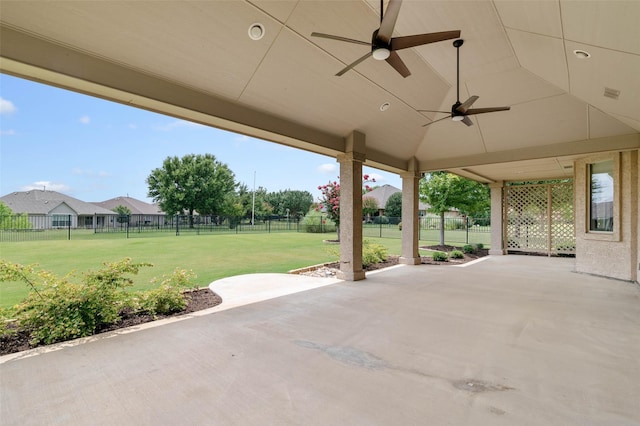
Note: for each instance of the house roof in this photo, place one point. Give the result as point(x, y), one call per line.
point(134, 205)
point(43, 202)
point(567, 68)
point(382, 193)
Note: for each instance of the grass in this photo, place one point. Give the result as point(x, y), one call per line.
point(211, 257)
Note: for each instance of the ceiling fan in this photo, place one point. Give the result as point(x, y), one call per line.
point(383, 46)
point(461, 110)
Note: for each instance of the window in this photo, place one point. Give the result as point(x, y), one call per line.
point(601, 196)
point(61, 220)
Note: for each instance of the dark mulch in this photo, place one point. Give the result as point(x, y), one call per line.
point(197, 300)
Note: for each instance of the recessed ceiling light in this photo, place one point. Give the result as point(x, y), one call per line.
point(385, 106)
point(256, 31)
point(581, 54)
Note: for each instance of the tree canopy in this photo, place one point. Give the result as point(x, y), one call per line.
point(297, 203)
point(369, 206)
point(191, 183)
point(446, 191)
point(393, 208)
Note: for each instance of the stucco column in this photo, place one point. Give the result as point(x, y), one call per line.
point(410, 221)
point(351, 208)
point(496, 218)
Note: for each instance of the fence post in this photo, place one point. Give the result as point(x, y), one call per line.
point(177, 225)
point(380, 226)
point(69, 227)
point(466, 218)
point(128, 221)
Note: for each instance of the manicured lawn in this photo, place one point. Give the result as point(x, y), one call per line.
point(211, 257)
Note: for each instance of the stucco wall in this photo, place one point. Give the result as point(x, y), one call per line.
point(610, 254)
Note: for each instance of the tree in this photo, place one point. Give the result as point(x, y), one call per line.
point(191, 183)
point(124, 212)
point(251, 203)
point(330, 200)
point(445, 191)
point(5, 215)
point(393, 208)
point(369, 206)
point(8, 220)
point(296, 203)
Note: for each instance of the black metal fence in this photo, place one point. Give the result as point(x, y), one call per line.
point(61, 227)
point(458, 230)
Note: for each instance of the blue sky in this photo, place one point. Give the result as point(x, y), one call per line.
point(95, 150)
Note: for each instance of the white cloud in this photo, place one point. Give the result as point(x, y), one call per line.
point(9, 132)
point(7, 107)
point(85, 119)
point(45, 184)
point(133, 126)
point(327, 168)
point(175, 125)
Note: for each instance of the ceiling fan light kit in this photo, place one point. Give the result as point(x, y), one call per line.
point(381, 54)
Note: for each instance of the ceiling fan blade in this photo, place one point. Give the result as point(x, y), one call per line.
point(334, 37)
point(389, 20)
point(483, 110)
point(405, 42)
point(467, 121)
point(397, 64)
point(432, 110)
point(440, 119)
point(353, 64)
point(467, 104)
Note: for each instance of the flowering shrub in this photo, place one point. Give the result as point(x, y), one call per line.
point(330, 200)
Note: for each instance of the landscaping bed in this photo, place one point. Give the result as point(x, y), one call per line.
point(197, 300)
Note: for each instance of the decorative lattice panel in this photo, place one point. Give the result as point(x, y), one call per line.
point(563, 230)
point(539, 218)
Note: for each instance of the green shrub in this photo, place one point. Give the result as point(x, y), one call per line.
point(57, 309)
point(468, 248)
point(439, 256)
point(169, 297)
point(400, 226)
point(318, 222)
point(479, 246)
point(456, 254)
point(373, 253)
point(7, 322)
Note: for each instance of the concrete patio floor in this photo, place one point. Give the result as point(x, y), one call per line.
point(511, 340)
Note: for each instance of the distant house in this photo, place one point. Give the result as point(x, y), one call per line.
point(142, 213)
point(51, 209)
point(382, 193)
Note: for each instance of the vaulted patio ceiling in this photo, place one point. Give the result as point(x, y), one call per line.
point(195, 60)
